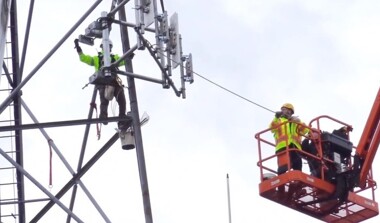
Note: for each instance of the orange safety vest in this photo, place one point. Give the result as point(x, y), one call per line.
point(286, 134)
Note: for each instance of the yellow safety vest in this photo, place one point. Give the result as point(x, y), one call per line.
point(95, 60)
point(288, 133)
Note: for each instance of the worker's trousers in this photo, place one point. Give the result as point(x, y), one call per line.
point(119, 96)
point(294, 158)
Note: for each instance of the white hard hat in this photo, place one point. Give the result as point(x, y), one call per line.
point(101, 45)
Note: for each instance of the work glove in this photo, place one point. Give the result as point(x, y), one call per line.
point(79, 49)
point(295, 119)
point(278, 114)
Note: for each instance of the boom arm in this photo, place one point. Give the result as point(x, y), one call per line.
point(369, 141)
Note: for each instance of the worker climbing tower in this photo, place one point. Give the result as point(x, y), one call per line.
point(17, 117)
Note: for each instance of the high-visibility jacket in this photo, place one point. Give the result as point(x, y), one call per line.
point(96, 61)
point(286, 134)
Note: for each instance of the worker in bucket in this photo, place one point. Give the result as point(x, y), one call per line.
point(106, 91)
point(287, 136)
point(309, 145)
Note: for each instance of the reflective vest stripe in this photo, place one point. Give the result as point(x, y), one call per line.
point(287, 133)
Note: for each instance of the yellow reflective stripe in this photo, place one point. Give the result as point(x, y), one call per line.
point(287, 133)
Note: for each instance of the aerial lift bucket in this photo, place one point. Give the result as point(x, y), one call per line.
point(321, 197)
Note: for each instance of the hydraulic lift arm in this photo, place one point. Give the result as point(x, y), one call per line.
point(369, 142)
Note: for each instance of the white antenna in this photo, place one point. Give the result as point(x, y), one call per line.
point(229, 201)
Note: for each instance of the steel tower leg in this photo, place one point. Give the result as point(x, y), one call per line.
point(136, 120)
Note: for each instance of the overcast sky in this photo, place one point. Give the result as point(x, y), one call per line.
point(321, 56)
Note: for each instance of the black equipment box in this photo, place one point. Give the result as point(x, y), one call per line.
point(337, 144)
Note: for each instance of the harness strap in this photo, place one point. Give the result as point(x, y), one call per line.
point(100, 56)
point(116, 79)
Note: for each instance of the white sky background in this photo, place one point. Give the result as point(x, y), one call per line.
point(322, 56)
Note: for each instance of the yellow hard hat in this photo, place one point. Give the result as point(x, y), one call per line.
point(288, 106)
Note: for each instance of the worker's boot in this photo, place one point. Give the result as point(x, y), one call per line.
point(103, 115)
point(124, 124)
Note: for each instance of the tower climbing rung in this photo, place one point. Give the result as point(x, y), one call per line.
point(7, 136)
point(9, 215)
point(7, 184)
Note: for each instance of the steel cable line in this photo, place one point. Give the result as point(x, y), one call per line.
point(214, 83)
point(236, 94)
